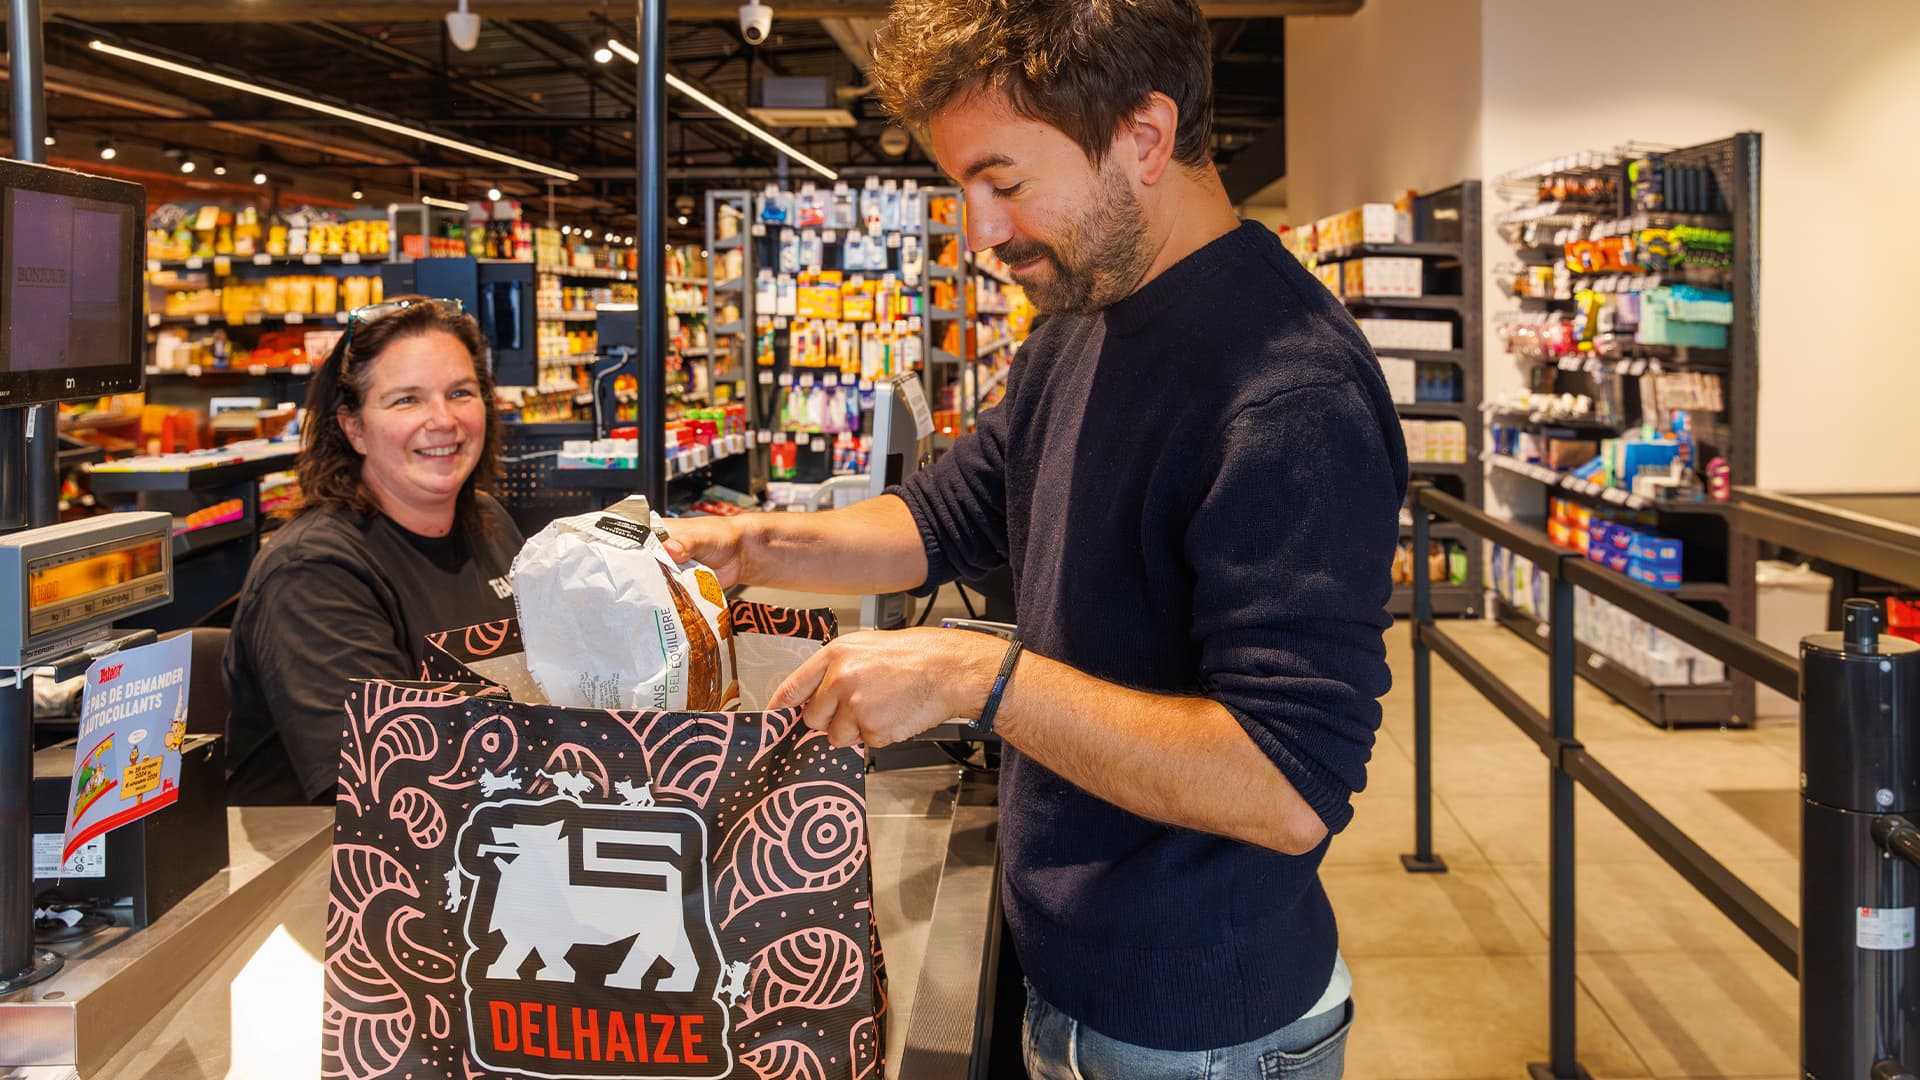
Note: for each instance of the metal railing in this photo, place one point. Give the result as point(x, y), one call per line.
point(1875, 1042)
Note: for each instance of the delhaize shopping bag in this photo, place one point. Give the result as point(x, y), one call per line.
point(522, 889)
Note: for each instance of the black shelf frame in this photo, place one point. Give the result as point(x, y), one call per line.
point(1462, 310)
point(1668, 706)
point(1735, 164)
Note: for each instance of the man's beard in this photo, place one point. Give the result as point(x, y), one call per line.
point(1098, 258)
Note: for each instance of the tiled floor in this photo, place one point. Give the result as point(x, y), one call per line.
point(1450, 970)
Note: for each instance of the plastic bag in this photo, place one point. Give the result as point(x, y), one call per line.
point(611, 622)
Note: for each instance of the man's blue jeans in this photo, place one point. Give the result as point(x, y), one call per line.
point(1059, 1047)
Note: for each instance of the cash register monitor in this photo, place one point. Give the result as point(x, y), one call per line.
point(71, 255)
point(902, 443)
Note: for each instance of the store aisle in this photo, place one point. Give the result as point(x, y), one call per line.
point(1450, 970)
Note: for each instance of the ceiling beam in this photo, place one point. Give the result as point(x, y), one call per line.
point(386, 11)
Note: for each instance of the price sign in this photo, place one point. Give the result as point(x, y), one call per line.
point(830, 379)
point(251, 318)
point(256, 369)
point(222, 266)
point(153, 320)
point(262, 259)
point(153, 266)
point(866, 384)
point(766, 437)
point(295, 318)
point(786, 378)
point(766, 378)
point(195, 263)
point(201, 320)
point(806, 380)
point(351, 258)
point(818, 445)
point(301, 369)
point(311, 258)
point(758, 229)
point(193, 371)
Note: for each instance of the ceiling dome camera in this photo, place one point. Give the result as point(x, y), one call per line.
point(463, 27)
point(756, 22)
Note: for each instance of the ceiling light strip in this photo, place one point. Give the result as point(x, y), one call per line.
point(732, 117)
point(334, 111)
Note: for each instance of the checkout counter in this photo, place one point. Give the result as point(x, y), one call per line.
point(229, 982)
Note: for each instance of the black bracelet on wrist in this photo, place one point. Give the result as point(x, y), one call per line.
point(984, 725)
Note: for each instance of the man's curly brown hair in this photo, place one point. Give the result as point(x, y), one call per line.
point(1082, 66)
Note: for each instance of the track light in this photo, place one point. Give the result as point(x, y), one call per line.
point(107, 152)
point(682, 219)
point(602, 54)
point(357, 193)
point(493, 194)
point(333, 110)
point(259, 175)
point(727, 114)
point(219, 168)
point(48, 140)
point(187, 165)
point(566, 230)
point(588, 235)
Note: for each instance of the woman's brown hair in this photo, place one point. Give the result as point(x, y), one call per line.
point(330, 468)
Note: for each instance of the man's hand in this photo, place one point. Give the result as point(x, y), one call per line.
point(718, 543)
point(879, 687)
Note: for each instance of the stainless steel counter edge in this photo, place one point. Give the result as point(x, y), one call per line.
point(952, 1005)
point(116, 982)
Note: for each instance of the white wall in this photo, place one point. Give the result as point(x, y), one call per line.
point(1834, 90)
point(1381, 101)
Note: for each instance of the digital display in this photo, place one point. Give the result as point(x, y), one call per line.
point(61, 289)
point(81, 586)
point(71, 303)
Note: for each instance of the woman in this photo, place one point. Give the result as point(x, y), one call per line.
point(393, 541)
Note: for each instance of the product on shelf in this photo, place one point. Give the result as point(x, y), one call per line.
point(1622, 638)
point(1435, 442)
point(1427, 335)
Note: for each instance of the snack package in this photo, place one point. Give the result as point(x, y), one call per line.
point(611, 622)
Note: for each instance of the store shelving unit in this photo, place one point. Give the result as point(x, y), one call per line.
point(1457, 266)
point(738, 325)
point(1719, 563)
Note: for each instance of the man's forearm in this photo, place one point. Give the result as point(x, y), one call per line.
point(872, 546)
point(1181, 760)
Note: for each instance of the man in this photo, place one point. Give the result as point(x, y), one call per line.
point(1196, 479)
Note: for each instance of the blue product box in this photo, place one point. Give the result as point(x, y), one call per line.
point(1635, 456)
point(1656, 549)
point(1599, 532)
point(1651, 574)
point(1617, 560)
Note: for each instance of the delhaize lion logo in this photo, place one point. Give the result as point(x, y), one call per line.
point(591, 944)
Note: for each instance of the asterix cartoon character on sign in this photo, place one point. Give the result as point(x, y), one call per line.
point(126, 760)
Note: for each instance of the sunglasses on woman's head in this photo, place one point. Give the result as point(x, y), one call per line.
point(370, 312)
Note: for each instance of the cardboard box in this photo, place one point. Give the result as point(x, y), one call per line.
point(1426, 334)
point(1402, 379)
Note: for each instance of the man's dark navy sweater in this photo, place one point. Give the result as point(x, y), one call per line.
point(1198, 492)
